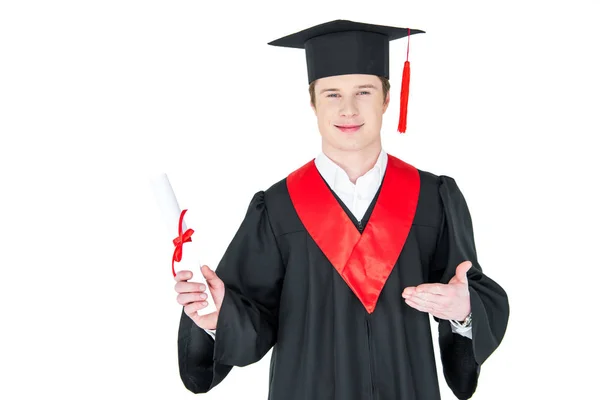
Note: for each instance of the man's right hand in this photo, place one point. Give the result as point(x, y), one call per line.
point(192, 297)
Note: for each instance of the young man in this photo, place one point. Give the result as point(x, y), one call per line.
point(338, 266)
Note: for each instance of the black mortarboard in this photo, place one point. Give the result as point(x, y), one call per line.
point(346, 47)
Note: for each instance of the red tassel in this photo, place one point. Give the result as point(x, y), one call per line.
point(404, 97)
point(404, 90)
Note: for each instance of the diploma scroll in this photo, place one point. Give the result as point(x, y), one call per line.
point(185, 253)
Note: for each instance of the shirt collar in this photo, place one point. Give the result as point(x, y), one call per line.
point(329, 170)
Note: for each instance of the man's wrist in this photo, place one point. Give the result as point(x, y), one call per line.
point(466, 322)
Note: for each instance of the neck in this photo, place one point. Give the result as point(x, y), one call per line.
point(354, 163)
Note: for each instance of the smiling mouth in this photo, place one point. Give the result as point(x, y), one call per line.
point(348, 128)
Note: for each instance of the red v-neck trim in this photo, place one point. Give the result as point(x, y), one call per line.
point(363, 261)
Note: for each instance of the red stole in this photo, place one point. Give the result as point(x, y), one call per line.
point(363, 261)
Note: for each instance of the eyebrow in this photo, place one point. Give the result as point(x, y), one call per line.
point(367, 86)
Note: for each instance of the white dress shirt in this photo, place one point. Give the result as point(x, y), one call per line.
point(358, 197)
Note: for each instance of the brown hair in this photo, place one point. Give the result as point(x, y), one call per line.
point(385, 83)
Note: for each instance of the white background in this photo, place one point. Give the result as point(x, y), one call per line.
point(96, 95)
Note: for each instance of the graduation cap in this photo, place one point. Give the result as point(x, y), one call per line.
point(342, 47)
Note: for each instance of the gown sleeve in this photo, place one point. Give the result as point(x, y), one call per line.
point(462, 357)
point(252, 271)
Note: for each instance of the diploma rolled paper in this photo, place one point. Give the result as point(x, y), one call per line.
point(184, 250)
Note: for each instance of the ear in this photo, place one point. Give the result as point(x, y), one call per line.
point(386, 103)
point(313, 107)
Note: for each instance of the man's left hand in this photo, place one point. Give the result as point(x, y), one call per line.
point(444, 301)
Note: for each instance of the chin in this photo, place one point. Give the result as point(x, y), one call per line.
point(348, 142)
point(349, 145)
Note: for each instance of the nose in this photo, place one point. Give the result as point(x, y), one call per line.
point(348, 108)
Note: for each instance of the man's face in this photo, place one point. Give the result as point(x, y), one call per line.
point(349, 110)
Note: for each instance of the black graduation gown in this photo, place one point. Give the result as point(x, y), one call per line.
point(283, 293)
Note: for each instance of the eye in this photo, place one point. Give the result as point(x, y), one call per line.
point(367, 92)
point(333, 94)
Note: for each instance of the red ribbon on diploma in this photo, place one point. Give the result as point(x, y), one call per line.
point(183, 237)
